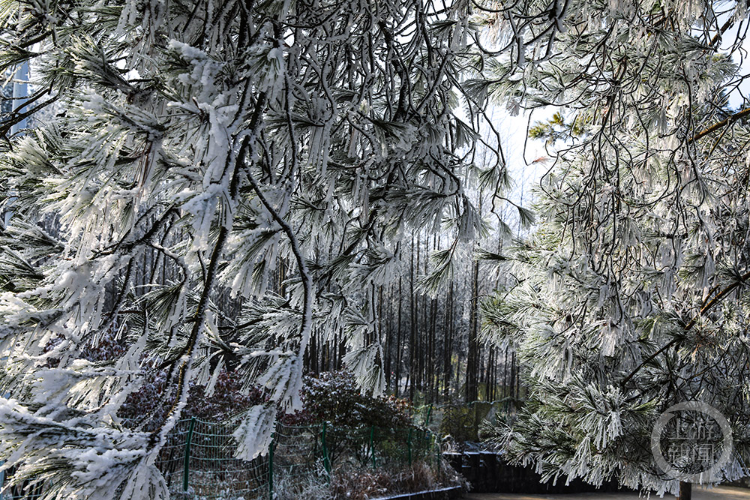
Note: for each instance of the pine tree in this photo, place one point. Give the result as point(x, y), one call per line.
point(217, 182)
point(630, 296)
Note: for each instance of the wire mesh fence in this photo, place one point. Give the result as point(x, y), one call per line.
point(198, 463)
point(297, 454)
point(198, 460)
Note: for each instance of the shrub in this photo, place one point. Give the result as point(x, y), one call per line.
point(150, 406)
point(335, 398)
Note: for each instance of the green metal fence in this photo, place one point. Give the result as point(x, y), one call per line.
point(198, 459)
point(197, 462)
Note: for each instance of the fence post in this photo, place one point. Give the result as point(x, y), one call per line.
point(186, 471)
point(408, 446)
point(476, 421)
point(270, 466)
point(438, 454)
point(427, 418)
point(326, 460)
point(372, 445)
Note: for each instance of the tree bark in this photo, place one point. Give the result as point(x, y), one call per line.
point(398, 342)
point(413, 319)
point(472, 357)
point(448, 343)
point(433, 351)
point(686, 491)
point(388, 340)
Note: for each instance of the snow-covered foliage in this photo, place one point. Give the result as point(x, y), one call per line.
point(218, 181)
point(147, 408)
point(334, 397)
point(631, 294)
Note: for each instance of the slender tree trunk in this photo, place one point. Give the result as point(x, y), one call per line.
point(399, 350)
point(505, 373)
point(413, 318)
point(513, 377)
point(388, 339)
point(420, 322)
point(448, 342)
point(316, 357)
point(424, 337)
point(483, 366)
point(495, 367)
point(488, 374)
point(472, 357)
point(518, 381)
point(334, 351)
point(342, 353)
point(377, 335)
point(431, 358)
point(307, 358)
point(686, 491)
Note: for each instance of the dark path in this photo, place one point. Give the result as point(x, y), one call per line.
point(720, 493)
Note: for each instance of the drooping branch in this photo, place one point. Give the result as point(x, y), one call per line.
point(306, 326)
point(713, 128)
point(213, 265)
point(708, 305)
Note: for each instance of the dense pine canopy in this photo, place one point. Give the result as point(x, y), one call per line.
point(215, 185)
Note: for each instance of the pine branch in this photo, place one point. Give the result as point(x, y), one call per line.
point(713, 128)
point(717, 37)
point(17, 117)
point(213, 265)
point(676, 341)
point(198, 318)
point(306, 327)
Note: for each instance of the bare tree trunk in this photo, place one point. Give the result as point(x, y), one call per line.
point(431, 351)
point(388, 340)
point(424, 338)
point(518, 381)
point(307, 358)
point(434, 358)
point(448, 343)
point(488, 373)
point(472, 357)
point(505, 372)
point(413, 318)
point(335, 352)
point(513, 377)
point(686, 491)
point(342, 353)
point(420, 322)
point(399, 350)
point(316, 366)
